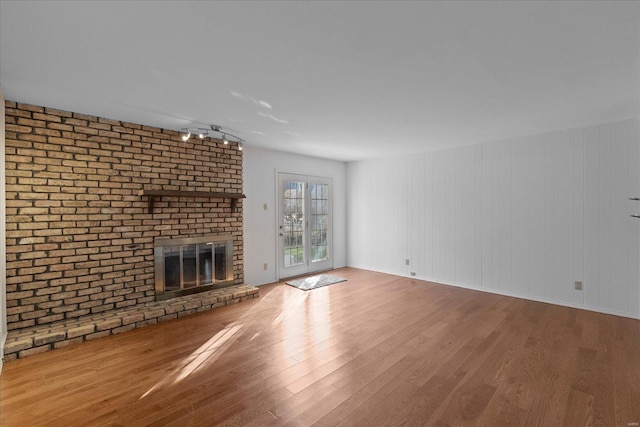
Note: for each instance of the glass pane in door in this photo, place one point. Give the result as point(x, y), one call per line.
point(319, 221)
point(293, 228)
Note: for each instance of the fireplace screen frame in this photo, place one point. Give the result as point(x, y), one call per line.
point(162, 246)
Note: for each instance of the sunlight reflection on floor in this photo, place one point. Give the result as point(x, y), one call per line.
point(319, 318)
point(208, 352)
point(303, 327)
point(290, 300)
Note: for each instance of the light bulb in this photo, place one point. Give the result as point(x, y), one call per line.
point(186, 136)
point(225, 140)
point(240, 146)
point(201, 135)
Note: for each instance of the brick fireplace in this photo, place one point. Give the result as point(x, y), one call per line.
point(81, 232)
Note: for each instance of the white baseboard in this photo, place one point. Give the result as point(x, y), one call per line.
point(515, 295)
point(539, 299)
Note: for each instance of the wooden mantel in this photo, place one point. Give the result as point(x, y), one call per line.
point(159, 194)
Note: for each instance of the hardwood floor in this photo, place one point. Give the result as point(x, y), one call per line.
point(375, 350)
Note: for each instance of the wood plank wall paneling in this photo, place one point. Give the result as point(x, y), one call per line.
point(633, 248)
point(578, 212)
point(525, 217)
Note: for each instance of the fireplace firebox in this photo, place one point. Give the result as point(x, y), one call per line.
point(192, 264)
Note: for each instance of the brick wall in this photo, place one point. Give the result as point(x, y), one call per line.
point(79, 238)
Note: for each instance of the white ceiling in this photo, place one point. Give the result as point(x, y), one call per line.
point(340, 80)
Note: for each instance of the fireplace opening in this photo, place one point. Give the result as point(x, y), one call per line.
point(193, 264)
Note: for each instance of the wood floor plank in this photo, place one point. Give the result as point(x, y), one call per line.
point(375, 350)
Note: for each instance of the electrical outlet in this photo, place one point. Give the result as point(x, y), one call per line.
point(265, 266)
point(406, 261)
point(413, 273)
point(578, 286)
point(264, 206)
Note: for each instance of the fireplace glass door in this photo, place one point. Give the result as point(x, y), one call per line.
point(186, 265)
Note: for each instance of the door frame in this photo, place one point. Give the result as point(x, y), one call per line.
point(326, 265)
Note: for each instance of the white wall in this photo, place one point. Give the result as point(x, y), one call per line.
point(260, 168)
point(525, 217)
point(3, 232)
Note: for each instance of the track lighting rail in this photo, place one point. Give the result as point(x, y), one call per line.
point(202, 133)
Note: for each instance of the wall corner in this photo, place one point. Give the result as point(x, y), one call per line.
point(3, 232)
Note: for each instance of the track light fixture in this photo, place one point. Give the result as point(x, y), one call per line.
point(206, 132)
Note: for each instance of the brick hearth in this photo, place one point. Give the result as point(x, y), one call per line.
point(29, 341)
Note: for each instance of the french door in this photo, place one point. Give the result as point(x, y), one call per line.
point(304, 225)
